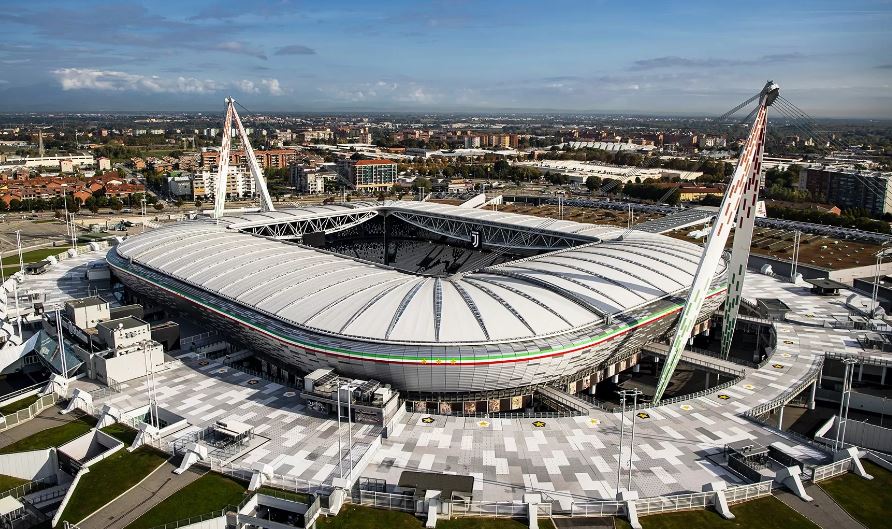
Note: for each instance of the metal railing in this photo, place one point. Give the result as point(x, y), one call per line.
point(810, 377)
point(597, 508)
point(832, 470)
point(196, 519)
point(496, 509)
point(8, 421)
point(27, 488)
point(681, 502)
point(11, 397)
point(386, 500)
point(748, 492)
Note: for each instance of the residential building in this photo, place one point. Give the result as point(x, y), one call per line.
point(277, 158)
point(180, 184)
point(239, 183)
point(368, 175)
point(103, 164)
point(312, 178)
point(847, 188)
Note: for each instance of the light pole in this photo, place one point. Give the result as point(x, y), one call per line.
point(635, 394)
point(797, 237)
point(349, 432)
point(340, 450)
point(876, 280)
point(624, 395)
point(849, 363)
point(60, 337)
point(18, 313)
point(18, 243)
point(622, 432)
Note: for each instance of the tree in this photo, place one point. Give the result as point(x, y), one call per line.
point(593, 182)
point(421, 183)
point(159, 206)
point(198, 204)
point(116, 204)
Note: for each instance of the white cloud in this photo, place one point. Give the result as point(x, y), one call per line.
point(111, 80)
point(92, 79)
point(246, 86)
point(272, 86)
point(385, 91)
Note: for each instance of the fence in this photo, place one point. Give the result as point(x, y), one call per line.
point(386, 500)
point(832, 470)
point(9, 398)
point(748, 492)
point(196, 519)
point(44, 402)
point(27, 488)
point(682, 502)
point(495, 509)
point(597, 508)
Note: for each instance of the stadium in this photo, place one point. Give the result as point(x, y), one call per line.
point(442, 302)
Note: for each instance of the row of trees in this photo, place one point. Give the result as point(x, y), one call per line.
point(857, 219)
point(94, 203)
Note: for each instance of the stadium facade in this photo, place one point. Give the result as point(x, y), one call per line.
point(583, 297)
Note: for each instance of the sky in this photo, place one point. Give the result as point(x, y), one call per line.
point(833, 59)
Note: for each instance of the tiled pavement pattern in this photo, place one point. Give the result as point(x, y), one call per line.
point(301, 444)
point(66, 279)
point(577, 457)
point(570, 458)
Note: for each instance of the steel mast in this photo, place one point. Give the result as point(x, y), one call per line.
point(738, 209)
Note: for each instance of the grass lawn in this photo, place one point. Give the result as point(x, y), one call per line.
point(358, 517)
point(52, 436)
point(9, 482)
point(206, 494)
point(764, 513)
point(20, 404)
point(32, 256)
point(122, 433)
point(284, 494)
point(867, 501)
point(108, 479)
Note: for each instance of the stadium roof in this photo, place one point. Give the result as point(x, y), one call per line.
point(539, 296)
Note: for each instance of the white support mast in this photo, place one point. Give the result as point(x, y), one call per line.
point(744, 183)
point(266, 203)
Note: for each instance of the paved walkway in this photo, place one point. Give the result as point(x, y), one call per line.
point(160, 484)
point(823, 511)
point(48, 418)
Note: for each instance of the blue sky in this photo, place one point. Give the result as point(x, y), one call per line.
point(682, 57)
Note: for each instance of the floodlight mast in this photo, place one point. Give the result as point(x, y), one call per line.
point(737, 210)
point(266, 203)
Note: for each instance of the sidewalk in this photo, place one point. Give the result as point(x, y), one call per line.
point(823, 511)
point(48, 418)
point(157, 487)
